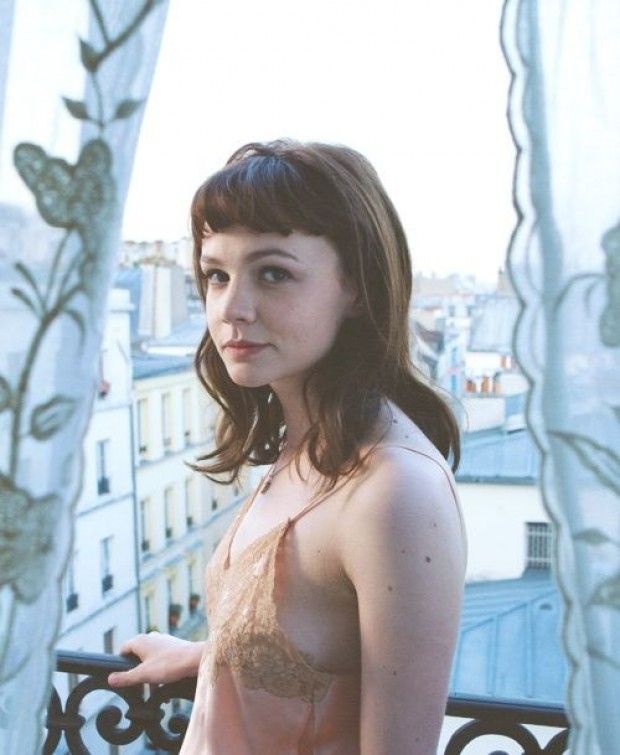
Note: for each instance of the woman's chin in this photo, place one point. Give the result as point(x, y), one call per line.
point(246, 380)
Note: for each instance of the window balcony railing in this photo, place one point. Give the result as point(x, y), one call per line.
point(107, 583)
point(146, 546)
point(144, 715)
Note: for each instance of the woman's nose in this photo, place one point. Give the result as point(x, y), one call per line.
point(238, 303)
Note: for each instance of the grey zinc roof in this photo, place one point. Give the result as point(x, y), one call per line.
point(492, 327)
point(509, 644)
point(495, 456)
point(188, 333)
point(153, 365)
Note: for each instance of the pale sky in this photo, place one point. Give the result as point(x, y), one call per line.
point(419, 86)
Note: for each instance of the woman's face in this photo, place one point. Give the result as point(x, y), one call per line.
point(284, 293)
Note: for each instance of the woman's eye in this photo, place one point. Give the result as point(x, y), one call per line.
point(275, 274)
point(211, 276)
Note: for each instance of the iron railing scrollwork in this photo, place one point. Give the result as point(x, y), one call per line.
point(507, 719)
point(144, 715)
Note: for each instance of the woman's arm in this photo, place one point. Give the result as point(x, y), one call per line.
point(164, 659)
point(403, 549)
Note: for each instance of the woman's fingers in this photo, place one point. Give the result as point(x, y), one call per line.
point(126, 678)
point(132, 645)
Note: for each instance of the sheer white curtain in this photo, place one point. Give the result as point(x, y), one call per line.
point(564, 262)
point(74, 75)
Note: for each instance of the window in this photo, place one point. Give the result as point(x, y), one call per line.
point(174, 609)
point(108, 641)
point(143, 429)
point(189, 502)
point(187, 415)
point(194, 596)
point(191, 574)
point(213, 503)
point(148, 613)
point(107, 580)
point(71, 596)
point(539, 545)
point(166, 421)
point(169, 512)
point(103, 481)
point(104, 386)
point(145, 505)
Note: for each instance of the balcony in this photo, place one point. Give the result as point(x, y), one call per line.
point(144, 715)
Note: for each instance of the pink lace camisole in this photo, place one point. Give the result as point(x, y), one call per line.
point(257, 694)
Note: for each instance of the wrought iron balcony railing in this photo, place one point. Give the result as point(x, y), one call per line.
point(145, 715)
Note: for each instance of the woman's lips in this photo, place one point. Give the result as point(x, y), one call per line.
point(239, 352)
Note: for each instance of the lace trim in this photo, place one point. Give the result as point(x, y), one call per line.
point(246, 636)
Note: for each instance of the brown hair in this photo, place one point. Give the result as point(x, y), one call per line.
point(331, 191)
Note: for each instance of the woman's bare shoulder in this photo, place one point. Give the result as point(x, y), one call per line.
point(403, 484)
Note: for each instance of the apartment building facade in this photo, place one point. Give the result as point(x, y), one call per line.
point(181, 513)
point(100, 585)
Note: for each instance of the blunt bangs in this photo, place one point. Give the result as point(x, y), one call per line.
point(266, 193)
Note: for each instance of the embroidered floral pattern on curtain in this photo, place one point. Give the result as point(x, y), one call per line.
point(64, 168)
point(564, 262)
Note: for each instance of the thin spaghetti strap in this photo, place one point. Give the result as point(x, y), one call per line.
point(315, 502)
point(428, 456)
point(239, 518)
point(448, 478)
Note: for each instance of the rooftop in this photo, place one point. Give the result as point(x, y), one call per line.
point(153, 365)
point(510, 645)
point(493, 325)
point(187, 334)
point(496, 456)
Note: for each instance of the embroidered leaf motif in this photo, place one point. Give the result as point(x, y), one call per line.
point(88, 56)
point(5, 393)
point(593, 537)
point(598, 458)
point(77, 108)
point(23, 296)
point(607, 593)
point(79, 321)
point(29, 278)
point(26, 539)
point(126, 108)
point(47, 419)
point(609, 324)
point(68, 196)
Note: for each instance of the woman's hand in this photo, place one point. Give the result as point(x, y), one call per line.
point(164, 659)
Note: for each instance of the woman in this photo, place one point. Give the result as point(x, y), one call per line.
point(334, 598)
